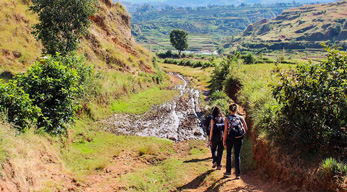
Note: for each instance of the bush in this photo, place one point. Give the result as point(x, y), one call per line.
point(54, 85)
point(167, 54)
point(335, 171)
point(17, 106)
point(221, 99)
point(249, 59)
point(219, 95)
point(314, 99)
point(220, 74)
point(332, 167)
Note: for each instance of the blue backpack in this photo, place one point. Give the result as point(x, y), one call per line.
point(235, 127)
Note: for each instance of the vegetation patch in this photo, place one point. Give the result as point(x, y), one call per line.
point(86, 154)
point(142, 102)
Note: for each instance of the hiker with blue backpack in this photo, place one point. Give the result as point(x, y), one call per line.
point(216, 137)
point(235, 129)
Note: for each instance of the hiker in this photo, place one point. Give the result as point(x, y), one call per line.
point(235, 129)
point(206, 126)
point(216, 137)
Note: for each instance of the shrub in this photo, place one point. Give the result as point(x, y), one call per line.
point(219, 95)
point(249, 59)
point(17, 105)
point(54, 85)
point(335, 171)
point(221, 99)
point(220, 74)
point(314, 99)
point(167, 54)
point(332, 167)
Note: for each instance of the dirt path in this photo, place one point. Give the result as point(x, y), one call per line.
point(197, 181)
point(214, 180)
point(202, 179)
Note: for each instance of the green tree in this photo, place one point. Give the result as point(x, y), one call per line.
point(62, 23)
point(179, 40)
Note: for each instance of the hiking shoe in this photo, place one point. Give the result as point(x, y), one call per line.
point(227, 173)
point(214, 165)
point(219, 167)
point(237, 177)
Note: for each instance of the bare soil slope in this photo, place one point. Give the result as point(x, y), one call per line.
point(109, 44)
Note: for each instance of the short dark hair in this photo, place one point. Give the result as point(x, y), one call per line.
point(233, 107)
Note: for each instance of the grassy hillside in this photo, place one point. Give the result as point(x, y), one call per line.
point(109, 44)
point(122, 67)
point(302, 28)
point(206, 26)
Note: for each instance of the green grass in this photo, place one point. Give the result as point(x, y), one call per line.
point(255, 80)
point(248, 162)
point(168, 175)
point(85, 157)
point(198, 77)
point(142, 102)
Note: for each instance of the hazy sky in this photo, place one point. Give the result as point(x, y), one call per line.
point(247, 1)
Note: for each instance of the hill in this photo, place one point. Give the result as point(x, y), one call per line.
point(189, 3)
point(298, 28)
point(206, 25)
point(109, 44)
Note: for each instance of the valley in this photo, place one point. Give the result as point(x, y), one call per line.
point(207, 26)
point(123, 113)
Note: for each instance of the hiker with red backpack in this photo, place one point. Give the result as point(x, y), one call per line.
point(235, 129)
point(216, 137)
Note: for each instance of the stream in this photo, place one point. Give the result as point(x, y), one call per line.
point(176, 120)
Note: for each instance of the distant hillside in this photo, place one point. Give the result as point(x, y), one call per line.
point(109, 45)
point(196, 3)
point(205, 25)
point(298, 28)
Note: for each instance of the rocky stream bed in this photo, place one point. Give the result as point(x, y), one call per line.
point(175, 120)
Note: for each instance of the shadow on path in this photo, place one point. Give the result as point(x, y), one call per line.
point(195, 183)
point(217, 184)
point(197, 160)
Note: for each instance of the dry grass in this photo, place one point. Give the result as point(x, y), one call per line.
point(108, 47)
point(30, 162)
point(297, 19)
point(16, 36)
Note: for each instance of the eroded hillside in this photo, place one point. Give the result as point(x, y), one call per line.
point(109, 44)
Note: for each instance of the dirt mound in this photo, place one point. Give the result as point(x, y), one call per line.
point(32, 164)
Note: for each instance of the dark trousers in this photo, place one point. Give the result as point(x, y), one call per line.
point(217, 146)
point(237, 144)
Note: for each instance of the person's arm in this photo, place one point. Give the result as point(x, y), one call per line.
point(226, 122)
point(244, 123)
point(211, 130)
